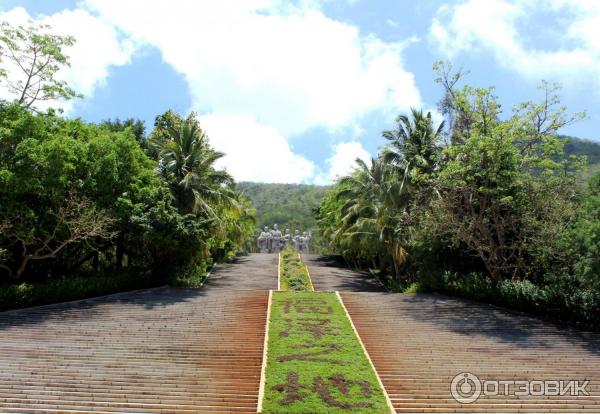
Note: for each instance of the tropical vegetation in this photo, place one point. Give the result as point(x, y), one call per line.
point(290, 206)
point(484, 204)
point(92, 208)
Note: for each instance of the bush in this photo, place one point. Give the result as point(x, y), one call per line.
point(557, 299)
point(414, 287)
point(73, 288)
point(192, 277)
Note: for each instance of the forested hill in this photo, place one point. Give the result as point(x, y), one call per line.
point(285, 204)
point(293, 204)
point(578, 146)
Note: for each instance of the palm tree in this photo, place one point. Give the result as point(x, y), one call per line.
point(186, 163)
point(413, 150)
point(372, 213)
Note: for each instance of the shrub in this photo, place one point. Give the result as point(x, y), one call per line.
point(73, 288)
point(557, 299)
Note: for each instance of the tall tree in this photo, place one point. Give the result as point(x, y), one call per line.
point(31, 57)
point(186, 162)
point(413, 148)
point(373, 211)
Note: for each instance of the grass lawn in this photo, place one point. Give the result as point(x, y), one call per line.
point(294, 275)
point(315, 363)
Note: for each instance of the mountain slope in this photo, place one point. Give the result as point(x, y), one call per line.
point(288, 205)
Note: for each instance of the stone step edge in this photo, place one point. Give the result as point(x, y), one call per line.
point(263, 369)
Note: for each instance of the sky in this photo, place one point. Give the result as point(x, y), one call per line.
point(295, 91)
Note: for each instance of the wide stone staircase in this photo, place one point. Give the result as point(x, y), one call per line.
point(157, 350)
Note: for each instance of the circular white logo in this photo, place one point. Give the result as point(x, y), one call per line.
point(465, 388)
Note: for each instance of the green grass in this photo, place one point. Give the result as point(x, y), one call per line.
point(312, 343)
point(294, 274)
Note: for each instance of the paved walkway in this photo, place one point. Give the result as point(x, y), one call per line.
point(156, 350)
point(200, 350)
point(329, 273)
point(418, 343)
point(257, 271)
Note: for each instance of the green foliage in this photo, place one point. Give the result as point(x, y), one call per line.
point(582, 147)
point(557, 299)
point(30, 57)
point(289, 205)
point(415, 287)
point(136, 126)
point(186, 164)
point(294, 274)
point(493, 212)
point(80, 198)
point(73, 287)
point(581, 241)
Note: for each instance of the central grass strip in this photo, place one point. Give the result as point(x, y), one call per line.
point(294, 274)
point(315, 363)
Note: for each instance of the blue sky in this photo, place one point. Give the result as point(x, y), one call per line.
point(294, 92)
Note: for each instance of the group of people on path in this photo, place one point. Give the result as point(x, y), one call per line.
point(273, 241)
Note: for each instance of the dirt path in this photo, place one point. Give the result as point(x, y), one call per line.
point(418, 343)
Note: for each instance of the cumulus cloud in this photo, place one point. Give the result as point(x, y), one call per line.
point(98, 47)
point(498, 26)
point(260, 72)
point(255, 152)
point(342, 161)
point(291, 67)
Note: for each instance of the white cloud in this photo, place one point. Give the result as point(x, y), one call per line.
point(255, 152)
point(500, 26)
point(98, 47)
point(343, 161)
point(260, 72)
point(290, 67)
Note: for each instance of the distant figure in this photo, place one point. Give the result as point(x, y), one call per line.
point(275, 239)
point(296, 240)
point(264, 240)
point(261, 241)
point(287, 238)
point(306, 243)
point(303, 243)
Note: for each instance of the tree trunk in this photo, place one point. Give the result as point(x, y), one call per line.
point(120, 252)
point(96, 260)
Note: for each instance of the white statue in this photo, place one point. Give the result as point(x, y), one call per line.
point(287, 237)
point(296, 240)
point(275, 239)
point(305, 247)
point(261, 241)
point(264, 240)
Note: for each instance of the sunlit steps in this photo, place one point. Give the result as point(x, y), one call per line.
point(418, 343)
point(159, 350)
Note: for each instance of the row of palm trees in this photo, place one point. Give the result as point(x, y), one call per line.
point(380, 199)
